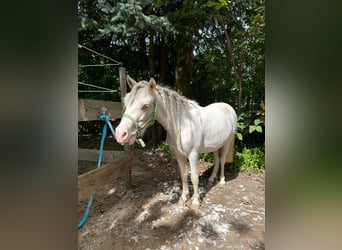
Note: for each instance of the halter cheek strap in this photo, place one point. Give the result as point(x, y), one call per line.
point(148, 122)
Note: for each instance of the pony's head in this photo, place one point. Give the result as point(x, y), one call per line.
point(139, 111)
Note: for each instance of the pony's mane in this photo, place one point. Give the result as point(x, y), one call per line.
point(171, 94)
point(163, 91)
point(131, 95)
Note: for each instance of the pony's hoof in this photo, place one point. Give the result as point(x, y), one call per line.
point(184, 197)
point(211, 180)
point(222, 181)
point(195, 203)
point(181, 202)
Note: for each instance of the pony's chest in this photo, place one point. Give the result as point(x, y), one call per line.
point(183, 140)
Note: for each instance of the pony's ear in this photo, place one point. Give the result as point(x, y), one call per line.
point(152, 84)
point(131, 82)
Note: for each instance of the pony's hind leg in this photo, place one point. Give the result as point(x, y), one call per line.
point(217, 163)
point(183, 167)
point(222, 162)
point(227, 150)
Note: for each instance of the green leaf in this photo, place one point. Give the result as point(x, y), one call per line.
point(258, 129)
point(159, 4)
point(239, 136)
point(257, 121)
point(224, 4)
point(242, 125)
point(211, 4)
point(252, 128)
point(218, 6)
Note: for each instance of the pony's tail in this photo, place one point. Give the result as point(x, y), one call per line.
point(230, 153)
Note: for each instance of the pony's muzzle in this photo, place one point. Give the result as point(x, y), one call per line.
point(121, 134)
point(124, 136)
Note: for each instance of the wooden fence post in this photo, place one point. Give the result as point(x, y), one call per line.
point(123, 84)
point(123, 88)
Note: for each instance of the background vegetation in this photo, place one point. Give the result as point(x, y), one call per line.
point(207, 50)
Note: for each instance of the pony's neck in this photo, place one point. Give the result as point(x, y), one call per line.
point(162, 114)
point(170, 106)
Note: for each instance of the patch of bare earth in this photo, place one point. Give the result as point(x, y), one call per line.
point(148, 216)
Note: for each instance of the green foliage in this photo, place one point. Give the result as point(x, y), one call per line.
point(218, 5)
point(250, 122)
point(255, 126)
point(126, 18)
point(214, 77)
point(164, 147)
point(208, 158)
point(129, 30)
point(250, 159)
point(247, 160)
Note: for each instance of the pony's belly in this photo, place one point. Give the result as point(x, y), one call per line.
point(213, 143)
point(216, 139)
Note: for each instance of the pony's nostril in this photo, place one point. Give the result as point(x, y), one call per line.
point(124, 135)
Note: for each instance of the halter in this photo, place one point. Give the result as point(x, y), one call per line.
point(149, 122)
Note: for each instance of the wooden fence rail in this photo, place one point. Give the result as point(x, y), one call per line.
point(97, 178)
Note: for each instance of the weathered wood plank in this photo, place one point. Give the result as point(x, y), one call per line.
point(93, 155)
point(97, 178)
point(89, 110)
point(123, 82)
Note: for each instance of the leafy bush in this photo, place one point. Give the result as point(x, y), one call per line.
point(250, 159)
point(164, 147)
point(250, 122)
point(208, 158)
point(247, 160)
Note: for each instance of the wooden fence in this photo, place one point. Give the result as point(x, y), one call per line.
point(118, 163)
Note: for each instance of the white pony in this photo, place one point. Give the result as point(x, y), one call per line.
point(191, 129)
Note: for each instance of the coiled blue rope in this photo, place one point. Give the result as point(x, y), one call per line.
point(105, 118)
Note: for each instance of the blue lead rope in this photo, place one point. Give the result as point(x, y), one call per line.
point(104, 118)
point(104, 134)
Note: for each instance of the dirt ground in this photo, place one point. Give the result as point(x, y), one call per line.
point(148, 215)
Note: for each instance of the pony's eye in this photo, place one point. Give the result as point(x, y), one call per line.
point(145, 107)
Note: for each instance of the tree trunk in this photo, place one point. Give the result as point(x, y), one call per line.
point(237, 72)
point(162, 61)
point(151, 55)
point(143, 55)
point(155, 132)
point(184, 69)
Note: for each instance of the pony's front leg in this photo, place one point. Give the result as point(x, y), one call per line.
point(193, 158)
point(183, 167)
